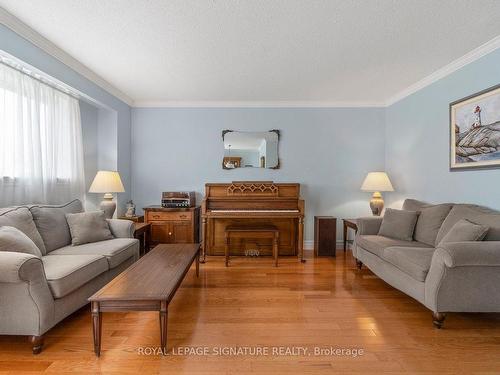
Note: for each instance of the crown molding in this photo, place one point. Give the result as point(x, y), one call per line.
point(446, 70)
point(20, 28)
point(253, 104)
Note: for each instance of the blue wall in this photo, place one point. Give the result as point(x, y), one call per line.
point(89, 118)
point(417, 141)
point(19, 47)
point(328, 151)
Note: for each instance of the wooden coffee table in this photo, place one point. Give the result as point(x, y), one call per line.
point(147, 285)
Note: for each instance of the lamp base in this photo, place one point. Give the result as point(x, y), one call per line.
point(108, 206)
point(377, 204)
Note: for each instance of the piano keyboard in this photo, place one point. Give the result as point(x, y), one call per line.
point(259, 211)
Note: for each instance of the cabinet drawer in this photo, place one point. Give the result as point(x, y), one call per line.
point(177, 216)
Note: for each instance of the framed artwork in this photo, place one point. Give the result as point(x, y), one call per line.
point(475, 131)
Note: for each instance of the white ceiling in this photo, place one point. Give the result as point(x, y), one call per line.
point(184, 51)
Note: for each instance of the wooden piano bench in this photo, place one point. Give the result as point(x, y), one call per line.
point(254, 233)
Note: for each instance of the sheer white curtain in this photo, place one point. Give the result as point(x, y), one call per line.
point(41, 149)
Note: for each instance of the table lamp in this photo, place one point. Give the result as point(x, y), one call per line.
point(376, 182)
point(107, 182)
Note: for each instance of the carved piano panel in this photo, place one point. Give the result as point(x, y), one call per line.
point(262, 189)
point(253, 203)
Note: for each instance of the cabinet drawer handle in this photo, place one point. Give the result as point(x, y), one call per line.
point(156, 216)
point(169, 233)
point(183, 216)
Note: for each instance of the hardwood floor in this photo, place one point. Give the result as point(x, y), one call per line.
point(324, 303)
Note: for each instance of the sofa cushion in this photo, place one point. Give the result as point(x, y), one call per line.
point(116, 250)
point(476, 214)
point(67, 273)
point(377, 244)
point(430, 219)
point(399, 224)
point(12, 239)
point(464, 230)
point(21, 218)
point(415, 261)
point(414, 205)
point(88, 227)
point(51, 223)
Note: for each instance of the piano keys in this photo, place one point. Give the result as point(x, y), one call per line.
point(253, 203)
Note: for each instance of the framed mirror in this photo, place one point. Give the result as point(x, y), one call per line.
point(250, 149)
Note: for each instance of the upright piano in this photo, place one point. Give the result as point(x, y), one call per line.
point(253, 203)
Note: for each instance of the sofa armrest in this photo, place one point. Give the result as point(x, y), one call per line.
point(369, 225)
point(464, 277)
point(26, 303)
point(20, 267)
point(121, 228)
point(471, 253)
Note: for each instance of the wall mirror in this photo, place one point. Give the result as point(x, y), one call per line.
point(250, 149)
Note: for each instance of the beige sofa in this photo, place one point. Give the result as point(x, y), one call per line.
point(37, 293)
point(452, 277)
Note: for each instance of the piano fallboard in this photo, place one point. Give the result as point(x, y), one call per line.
point(254, 211)
point(252, 204)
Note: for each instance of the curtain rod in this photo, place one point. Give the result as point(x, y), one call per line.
point(47, 82)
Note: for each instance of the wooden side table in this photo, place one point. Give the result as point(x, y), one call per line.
point(349, 223)
point(325, 235)
point(135, 219)
point(142, 231)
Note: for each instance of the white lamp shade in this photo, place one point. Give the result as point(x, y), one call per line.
point(377, 181)
point(107, 182)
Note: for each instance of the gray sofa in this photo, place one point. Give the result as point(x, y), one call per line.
point(449, 277)
point(37, 293)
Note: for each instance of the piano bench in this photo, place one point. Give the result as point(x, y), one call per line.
point(252, 232)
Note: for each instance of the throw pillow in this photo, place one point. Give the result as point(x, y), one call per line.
point(51, 223)
point(12, 239)
point(21, 218)
point(430, 220)
point(86, 227)
point(475, 214)
point(465, 230)
point(398, 224)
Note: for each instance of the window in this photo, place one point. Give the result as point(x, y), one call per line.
point(41, 149)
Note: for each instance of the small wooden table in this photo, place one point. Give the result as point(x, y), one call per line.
point(325, 235)
point(142, 231)
point(349, 223)
point(253, 232)
point(147, 285)
point(135, 219)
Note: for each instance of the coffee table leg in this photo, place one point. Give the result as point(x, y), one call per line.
point(96, 327)
point(163, 326)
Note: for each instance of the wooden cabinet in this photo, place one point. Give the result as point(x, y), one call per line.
point(325, 235)
point(173, 225)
